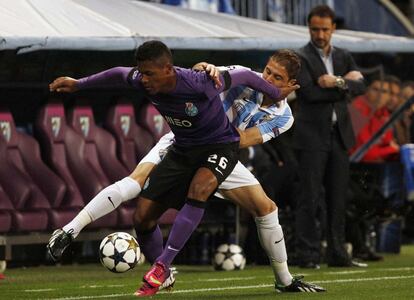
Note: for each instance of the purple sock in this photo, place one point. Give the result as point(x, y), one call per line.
point(184, 225)
point(150, 243)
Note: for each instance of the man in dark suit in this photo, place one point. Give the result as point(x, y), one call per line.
point(322, 137)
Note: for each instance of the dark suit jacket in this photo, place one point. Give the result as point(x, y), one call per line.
point(313, 119)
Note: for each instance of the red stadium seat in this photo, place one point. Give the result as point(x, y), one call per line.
point(28, 182)
point(6, 210)
point(133, 141)
point(66, 152)
point(153, 121)
point(100, 145)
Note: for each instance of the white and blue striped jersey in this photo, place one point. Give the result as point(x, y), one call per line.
point(243, 108)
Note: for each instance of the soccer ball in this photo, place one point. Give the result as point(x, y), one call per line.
point(229, 257)
point(119, 252)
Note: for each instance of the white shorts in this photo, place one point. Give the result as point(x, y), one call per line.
point(239, 177)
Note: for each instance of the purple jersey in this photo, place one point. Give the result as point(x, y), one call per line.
point(193, 109)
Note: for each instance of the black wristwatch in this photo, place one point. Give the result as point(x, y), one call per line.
point(340, 83)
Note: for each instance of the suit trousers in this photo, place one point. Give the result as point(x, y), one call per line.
point(326, 169)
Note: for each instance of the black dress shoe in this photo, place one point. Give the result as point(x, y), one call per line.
point(368, 256)
point(347, 264)
point(309, 265)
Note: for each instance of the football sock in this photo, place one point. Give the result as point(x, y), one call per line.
point(150, 243)
point(103, 203)
point(76, 225)
point(271, 238)
point(184, 225)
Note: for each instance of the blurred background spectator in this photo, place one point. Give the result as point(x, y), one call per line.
point(369, 112)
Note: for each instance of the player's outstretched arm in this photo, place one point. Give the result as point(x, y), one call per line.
point(267, 129)
point(64, 85)
point(241, 76)
point(115, 77)
point(212, 71)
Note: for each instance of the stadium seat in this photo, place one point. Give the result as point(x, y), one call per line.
point(100, 145)
point(153, 121)
point(6, 208)
point(28, 182)
point(133, 141)
point(66, 152)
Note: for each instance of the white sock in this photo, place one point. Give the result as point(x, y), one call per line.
point(272, 240)
point(103, 203)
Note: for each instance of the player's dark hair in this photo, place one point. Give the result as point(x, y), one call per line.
point(322, 11)
point(153, 51)
point(288, 59)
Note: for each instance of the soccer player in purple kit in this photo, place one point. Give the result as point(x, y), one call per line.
point(206, 144)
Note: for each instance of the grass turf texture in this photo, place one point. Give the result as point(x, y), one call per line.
point(391, 279)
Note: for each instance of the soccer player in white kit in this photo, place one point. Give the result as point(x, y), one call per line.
point(258, 120)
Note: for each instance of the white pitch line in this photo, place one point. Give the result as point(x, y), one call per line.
point(364, 279)
point(237, 287)
point(39, 290)
point(395, 269)
point(345, 272)
point(228, 279)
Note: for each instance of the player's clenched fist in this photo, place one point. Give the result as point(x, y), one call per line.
point(64, 84)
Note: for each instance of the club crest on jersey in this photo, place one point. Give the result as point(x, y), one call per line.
point(190, 109)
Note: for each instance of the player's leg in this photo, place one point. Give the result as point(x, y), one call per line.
point(187, 220)
point(203, 184)
point(254, 199)
point(167, 186)
point(102, 204)
point(216, 164)
point(149, 234)
point(242, 188)
point(147, 229)
point(210, 166)
point(121, 191)
point(108, 199)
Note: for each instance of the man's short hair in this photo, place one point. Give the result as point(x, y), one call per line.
point(322, 11)
point(392, 79)
point(288, 59)
point(153, 51)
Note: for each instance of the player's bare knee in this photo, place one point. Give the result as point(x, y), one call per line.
point(266, 207)
point(141, 172)
point(138, 178)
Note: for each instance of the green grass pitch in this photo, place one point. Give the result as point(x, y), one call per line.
point(391, 279)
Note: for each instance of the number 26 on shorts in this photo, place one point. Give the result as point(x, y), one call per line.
point(222, 162)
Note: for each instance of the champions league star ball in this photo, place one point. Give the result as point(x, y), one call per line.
point(119, 252)
point(229, 257)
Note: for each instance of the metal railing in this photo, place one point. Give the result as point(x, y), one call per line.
point(284, 11)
